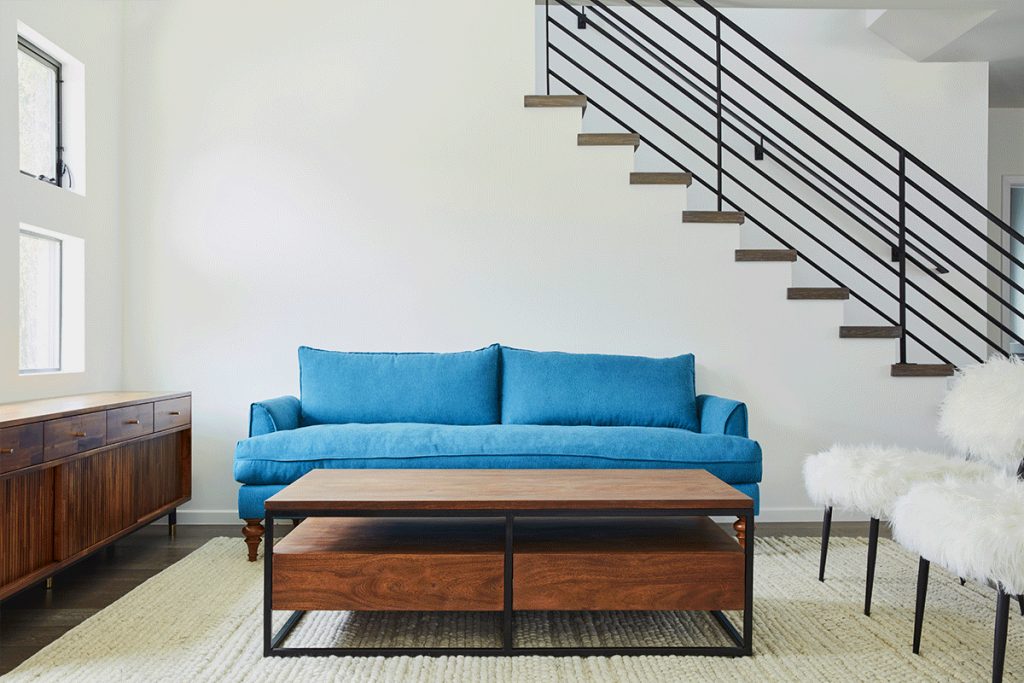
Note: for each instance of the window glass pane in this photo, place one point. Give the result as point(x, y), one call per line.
point(37, 115)
point(39, 306)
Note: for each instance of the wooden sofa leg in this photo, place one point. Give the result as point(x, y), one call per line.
point(253, 532)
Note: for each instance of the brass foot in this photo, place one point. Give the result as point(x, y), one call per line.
point(172, 530)
point(49, 583)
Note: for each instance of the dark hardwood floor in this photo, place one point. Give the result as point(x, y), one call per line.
point(36, 617)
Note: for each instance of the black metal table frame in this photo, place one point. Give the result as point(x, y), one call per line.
point(742, 644)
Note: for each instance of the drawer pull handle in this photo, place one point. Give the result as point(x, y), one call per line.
point(6, 451)
point(131, 422)
point(79, 435)
point(174, 412)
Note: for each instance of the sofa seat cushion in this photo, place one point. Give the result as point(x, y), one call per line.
point(282, 457)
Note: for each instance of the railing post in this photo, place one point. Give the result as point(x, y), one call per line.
point(903, 255)
point(718, 100)
point(547, 45)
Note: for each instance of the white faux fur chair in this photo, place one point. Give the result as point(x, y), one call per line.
point(870, 479)
point(975, 527)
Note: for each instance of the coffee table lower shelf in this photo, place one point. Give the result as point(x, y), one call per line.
point(509, 562)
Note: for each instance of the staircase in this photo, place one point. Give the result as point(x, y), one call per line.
point(871, 223)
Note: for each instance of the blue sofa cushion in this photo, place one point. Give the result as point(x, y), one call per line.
point(442, 388)
point(554, 388)
point(282, 457)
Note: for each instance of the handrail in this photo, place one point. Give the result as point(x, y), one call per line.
point(730, 114)
point(834, 101)
point(847, 236)
point(750, 217)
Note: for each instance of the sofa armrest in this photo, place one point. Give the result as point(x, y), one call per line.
point(273, 415)
point(722, 416)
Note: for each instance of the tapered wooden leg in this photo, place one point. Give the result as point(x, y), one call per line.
point(253, 532)
point(872, 555)
point(740, 527)
point(826, 531)
point(922, 593)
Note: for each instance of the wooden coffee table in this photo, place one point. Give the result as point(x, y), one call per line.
point(508, 541)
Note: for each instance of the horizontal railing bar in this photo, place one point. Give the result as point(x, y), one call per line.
point(998, 272)
point(973, 203)
point(771, 206)
point(692, 122)
point(778, 84)
point(963, 221)
point(748, 216)
point(765, 100)
point(742, 108)
point(706, 108)
point(793, 71)
point(955, 266)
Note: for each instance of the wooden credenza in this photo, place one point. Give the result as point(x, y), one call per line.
point(79, 472)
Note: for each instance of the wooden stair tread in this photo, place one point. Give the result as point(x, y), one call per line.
point(736, 217)
point(607, 139)
point(816, 293)
point(766, 254)
point(660, 178)
point(555, 101)
point(869, 332)
point(922, 369)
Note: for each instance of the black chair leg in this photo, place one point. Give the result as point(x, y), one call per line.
point(1020, 601)
point(826, 530)
point(922, 591)
point(999, 647)
point(872, 555)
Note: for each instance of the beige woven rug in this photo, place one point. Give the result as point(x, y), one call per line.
point(199, 620)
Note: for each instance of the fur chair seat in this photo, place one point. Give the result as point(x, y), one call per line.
point(869, 479)
point(973, 528)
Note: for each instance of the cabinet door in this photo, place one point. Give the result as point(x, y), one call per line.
point(93, 500)
point(158, 472)
point(26, 524)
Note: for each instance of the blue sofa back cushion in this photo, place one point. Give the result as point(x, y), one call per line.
point(438, 388)
point(554, 388)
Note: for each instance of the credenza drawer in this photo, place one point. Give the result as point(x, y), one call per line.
point(71, 435)
point(21, 446)
point(129, 422)
point(175, 412)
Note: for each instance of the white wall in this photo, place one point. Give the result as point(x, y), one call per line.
point(364, 176)
point(91, 32)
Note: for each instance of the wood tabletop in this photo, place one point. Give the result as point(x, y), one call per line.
point(407, 489)
point(12, 414)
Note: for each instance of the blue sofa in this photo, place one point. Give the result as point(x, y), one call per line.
point(496, 407)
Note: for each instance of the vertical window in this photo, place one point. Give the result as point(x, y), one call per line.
point(39, 115)
point(40, 303)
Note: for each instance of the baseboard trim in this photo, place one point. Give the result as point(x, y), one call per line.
point(768, 514)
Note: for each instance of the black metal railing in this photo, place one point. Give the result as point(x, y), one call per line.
point(873, 185)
